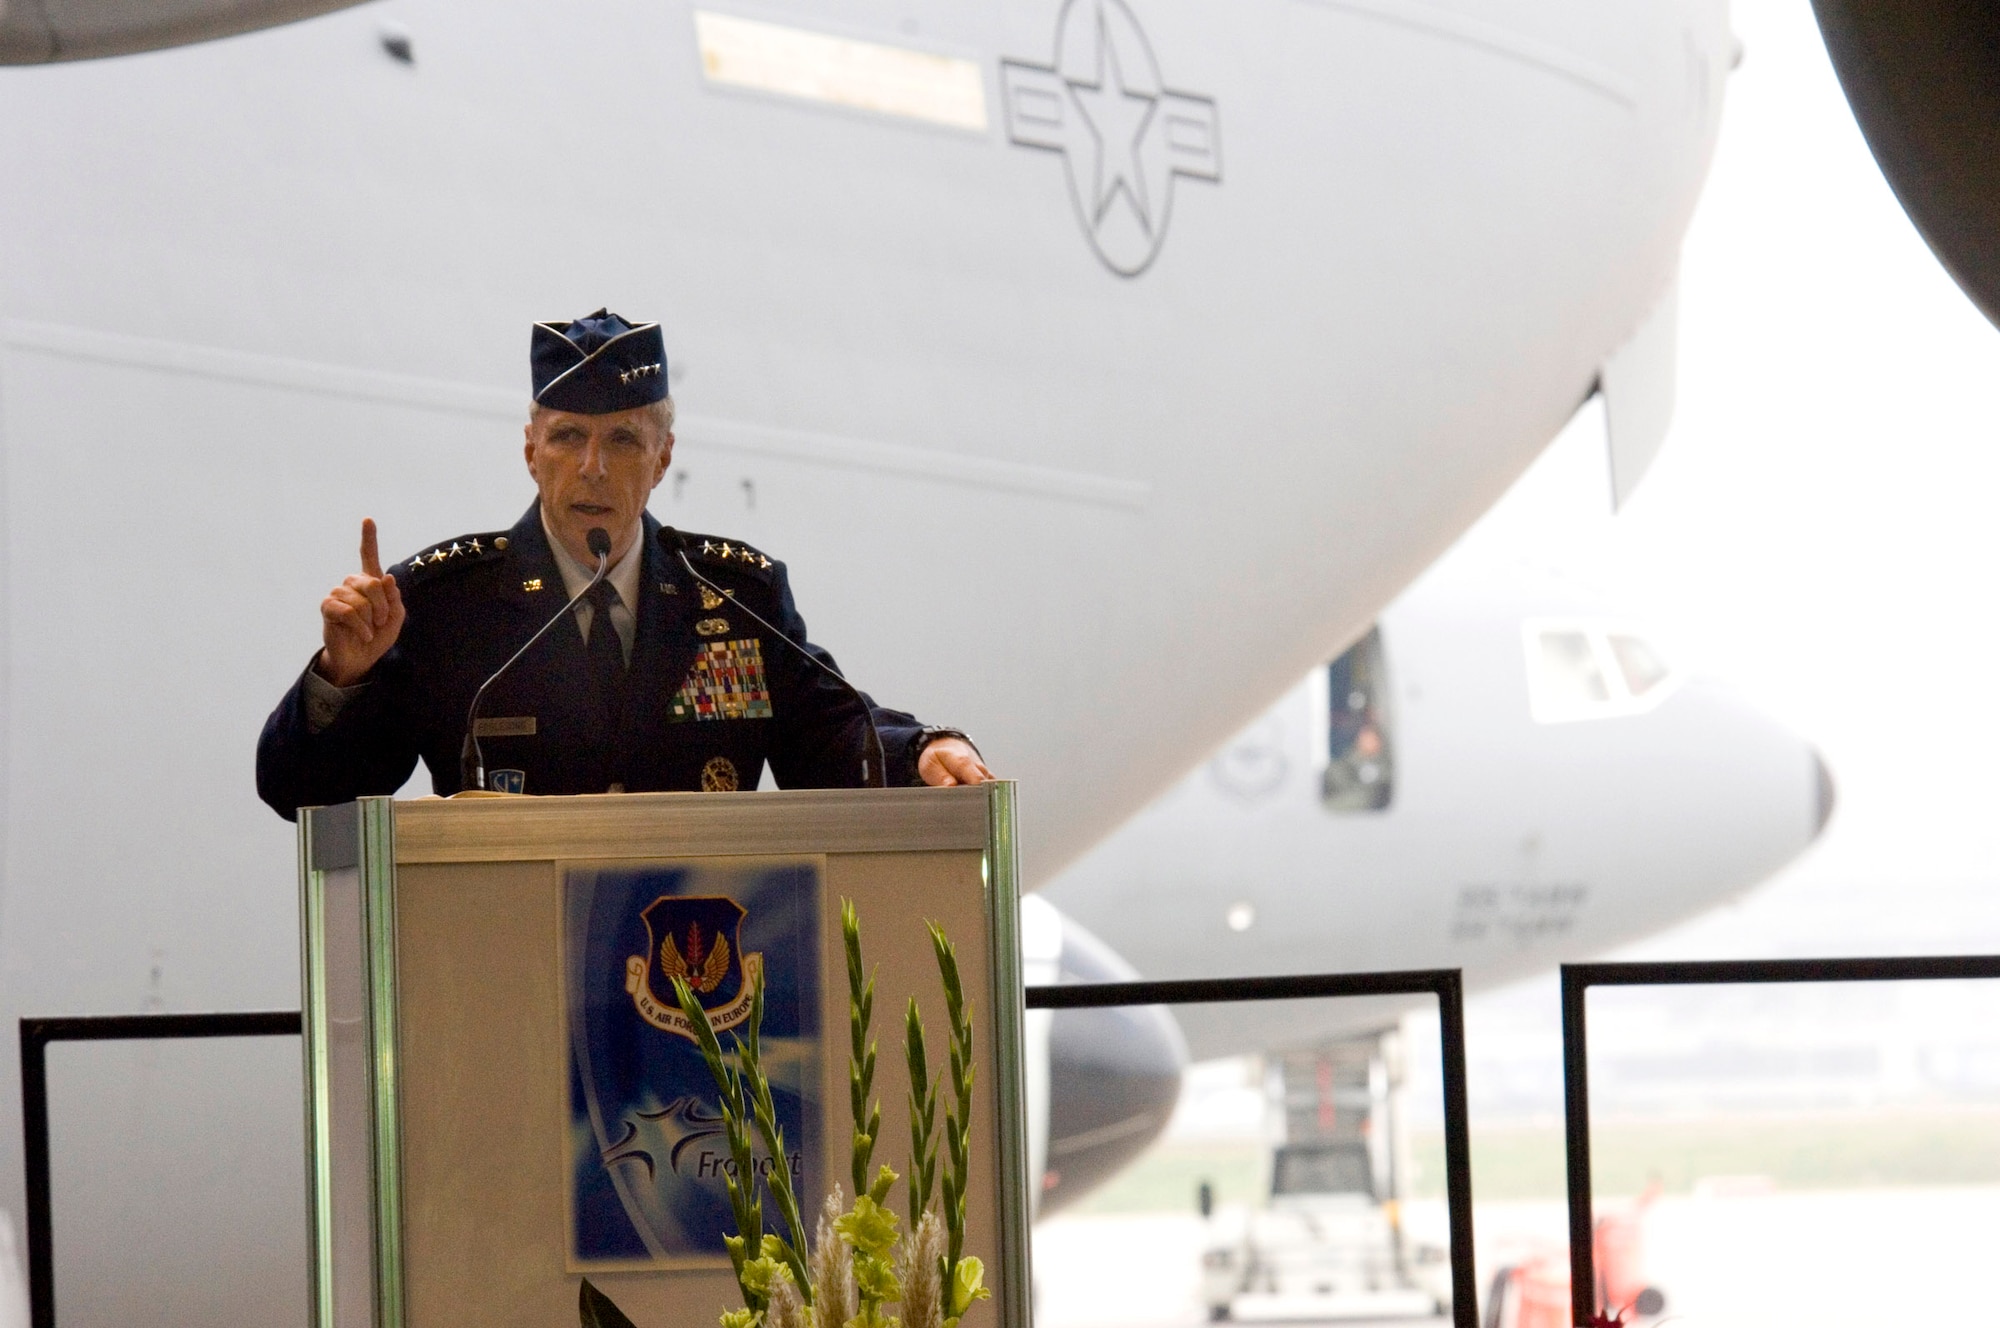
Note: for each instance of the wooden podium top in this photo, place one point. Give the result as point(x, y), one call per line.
point(640, 825)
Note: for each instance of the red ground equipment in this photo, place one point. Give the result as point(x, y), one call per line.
point(1534, 1293)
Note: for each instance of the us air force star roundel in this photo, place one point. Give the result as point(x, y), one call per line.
point(1122, 134)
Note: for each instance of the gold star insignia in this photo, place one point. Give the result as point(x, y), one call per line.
point(762, 561)
point(474, 546)
point(727, 552)
point(707, 547)
point(455, 550)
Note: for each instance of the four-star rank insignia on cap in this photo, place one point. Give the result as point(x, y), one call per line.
point(598, 364)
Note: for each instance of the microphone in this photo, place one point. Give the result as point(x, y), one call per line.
point(472, 760)
point(678, 543)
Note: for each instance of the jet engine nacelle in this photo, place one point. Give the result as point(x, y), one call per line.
point(1102, 1083)
point(52, 30)
point(1924, 81)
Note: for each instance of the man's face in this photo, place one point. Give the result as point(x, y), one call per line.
point(596, 470)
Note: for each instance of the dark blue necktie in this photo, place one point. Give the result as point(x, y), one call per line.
point(607, 656)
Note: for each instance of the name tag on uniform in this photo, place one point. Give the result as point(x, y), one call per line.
point(504, 726)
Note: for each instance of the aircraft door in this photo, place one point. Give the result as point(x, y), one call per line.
point(1360, 765)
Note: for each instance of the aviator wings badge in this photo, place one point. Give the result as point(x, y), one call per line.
point(1123, 135)
point(695, 939)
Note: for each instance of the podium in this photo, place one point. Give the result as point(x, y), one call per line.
point(497, 1101)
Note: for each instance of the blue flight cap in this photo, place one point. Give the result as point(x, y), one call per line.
point(598, 364)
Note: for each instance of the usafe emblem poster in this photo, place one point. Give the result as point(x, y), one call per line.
point(647, 1160)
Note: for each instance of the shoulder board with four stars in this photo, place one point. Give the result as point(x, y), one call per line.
point(461, 552)
point(732, 554)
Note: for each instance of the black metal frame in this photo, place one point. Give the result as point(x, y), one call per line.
point(1578, 979)
point(1443, 983)
point(36, 1034)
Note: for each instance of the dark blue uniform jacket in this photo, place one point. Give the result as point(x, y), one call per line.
point(709, 696)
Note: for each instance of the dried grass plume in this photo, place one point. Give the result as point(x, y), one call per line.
point(835, 1300)
point(919, 1261)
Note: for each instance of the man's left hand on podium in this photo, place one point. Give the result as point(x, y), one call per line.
point(949, 761)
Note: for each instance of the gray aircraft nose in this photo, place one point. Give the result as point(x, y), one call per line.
point(1824, 794)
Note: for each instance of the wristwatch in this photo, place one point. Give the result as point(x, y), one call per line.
point(931, 733)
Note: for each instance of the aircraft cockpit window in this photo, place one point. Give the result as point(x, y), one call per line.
point(1570, 673)
point(1587, 670)
point(1642, 668)
point(1360, 768)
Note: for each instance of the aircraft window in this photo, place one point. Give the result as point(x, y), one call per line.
point(1569, 671)
point(1591, 670)
point(1360, 766)
point(1637, 661)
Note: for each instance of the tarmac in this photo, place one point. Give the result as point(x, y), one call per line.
point(1743, 1256)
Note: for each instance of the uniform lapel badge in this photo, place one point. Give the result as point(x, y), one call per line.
point(532, 584)
point(697, 939)
point(507, 781)
point(719, 775)
point(712, 626)
point(669, 588)
point(709, 599)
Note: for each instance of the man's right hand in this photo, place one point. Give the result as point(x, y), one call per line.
point(360, 618)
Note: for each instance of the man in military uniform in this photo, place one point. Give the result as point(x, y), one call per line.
point(656, 682)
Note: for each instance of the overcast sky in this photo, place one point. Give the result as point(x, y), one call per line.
point(1819, 531)
point(1820, 525)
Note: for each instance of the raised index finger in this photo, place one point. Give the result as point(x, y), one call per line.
point(371, 560)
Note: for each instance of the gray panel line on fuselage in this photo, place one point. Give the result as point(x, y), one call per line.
point(1494, 40)
point(700, 432)
point(861, 454)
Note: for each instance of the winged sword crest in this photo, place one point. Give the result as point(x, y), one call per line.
point(697, 940)
point(703, 974)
